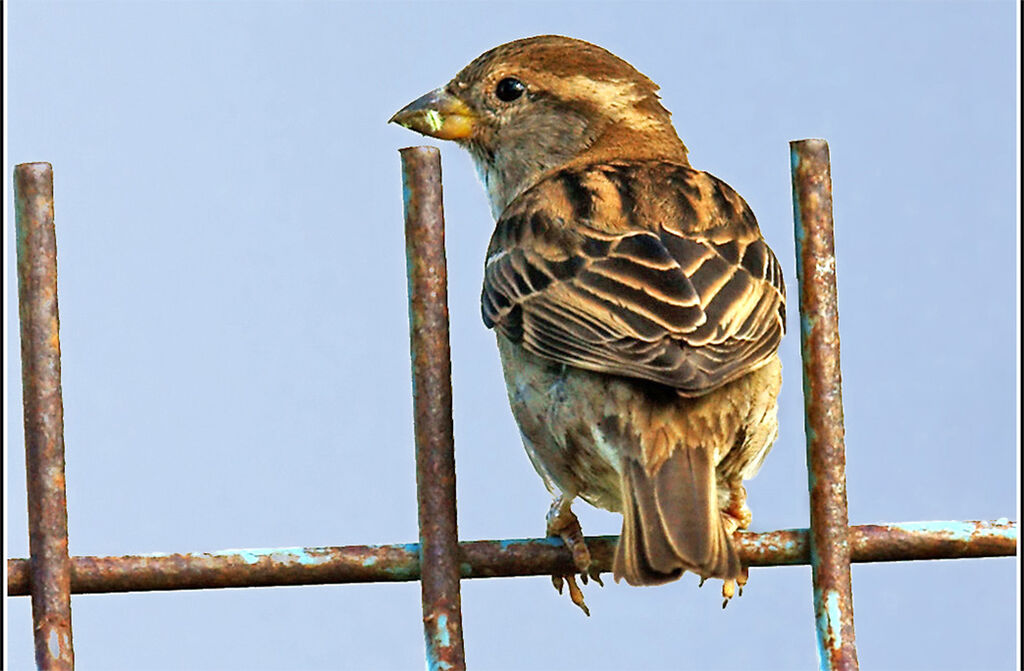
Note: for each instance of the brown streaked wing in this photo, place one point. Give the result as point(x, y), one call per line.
point(678, 289)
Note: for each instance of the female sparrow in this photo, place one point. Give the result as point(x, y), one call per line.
point(637, 308)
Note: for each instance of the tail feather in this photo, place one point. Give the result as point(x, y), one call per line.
point(683, 488)
point(632, 559)
point(653, 546)
point(671, 522)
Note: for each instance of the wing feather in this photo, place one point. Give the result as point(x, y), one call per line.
point(649, 270)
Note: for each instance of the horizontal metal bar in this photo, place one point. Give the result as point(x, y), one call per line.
point(906, 541)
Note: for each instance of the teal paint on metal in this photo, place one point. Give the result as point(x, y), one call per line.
point(828, 620)
point(442, 631)
point(305, 556)
point(964, 532)
point(438, 638)
point(956, 530)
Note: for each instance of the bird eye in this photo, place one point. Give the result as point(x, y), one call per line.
point(509, 89)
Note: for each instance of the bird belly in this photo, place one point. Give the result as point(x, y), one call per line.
point(577, 425)
point(562, 415)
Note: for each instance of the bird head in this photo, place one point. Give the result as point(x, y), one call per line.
point(537, 104)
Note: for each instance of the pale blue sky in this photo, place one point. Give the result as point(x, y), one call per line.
point(234, 321)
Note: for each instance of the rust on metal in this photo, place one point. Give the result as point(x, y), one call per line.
point(823, 403)
point(933, 540)
point(44, 416)
point(432, 406)
point(266, 567)
point(907, 541)
point(269, 567)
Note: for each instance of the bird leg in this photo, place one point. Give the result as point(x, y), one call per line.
point(562, 523)
point(736, 516)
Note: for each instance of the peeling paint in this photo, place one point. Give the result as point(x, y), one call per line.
point(956, 530)
point(443, 637)
point(834, 617)
point(53, 641)
point(304, 556)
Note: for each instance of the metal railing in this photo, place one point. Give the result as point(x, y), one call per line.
point(439, 561)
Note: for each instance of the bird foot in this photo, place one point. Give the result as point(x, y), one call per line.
point(562, 523)
point(735, 517)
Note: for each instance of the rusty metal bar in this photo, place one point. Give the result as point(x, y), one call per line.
point(432, 406)
point(50, 576)
point(44, 416)
point(823, 404)
point(908, 541)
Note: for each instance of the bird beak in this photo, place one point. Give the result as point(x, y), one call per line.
point(437, 114)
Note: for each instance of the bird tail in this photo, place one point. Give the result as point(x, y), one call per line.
point(671, 522)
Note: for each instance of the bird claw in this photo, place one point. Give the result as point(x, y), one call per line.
point(732, 588)
point(592, 573)
point(576, 595)
point(728, 590)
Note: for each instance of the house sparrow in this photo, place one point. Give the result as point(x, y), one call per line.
point(637, 308)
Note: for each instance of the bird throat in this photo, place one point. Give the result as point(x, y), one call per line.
point(521, 162)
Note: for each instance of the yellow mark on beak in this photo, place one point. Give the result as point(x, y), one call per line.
point(433, 120)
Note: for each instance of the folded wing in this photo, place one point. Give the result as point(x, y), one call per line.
point(652, 271)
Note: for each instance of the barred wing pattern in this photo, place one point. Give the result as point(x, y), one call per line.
point(648, 270)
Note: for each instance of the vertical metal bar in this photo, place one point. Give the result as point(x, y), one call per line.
point(432, 400)
point(823, 403)
point(44, 416)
